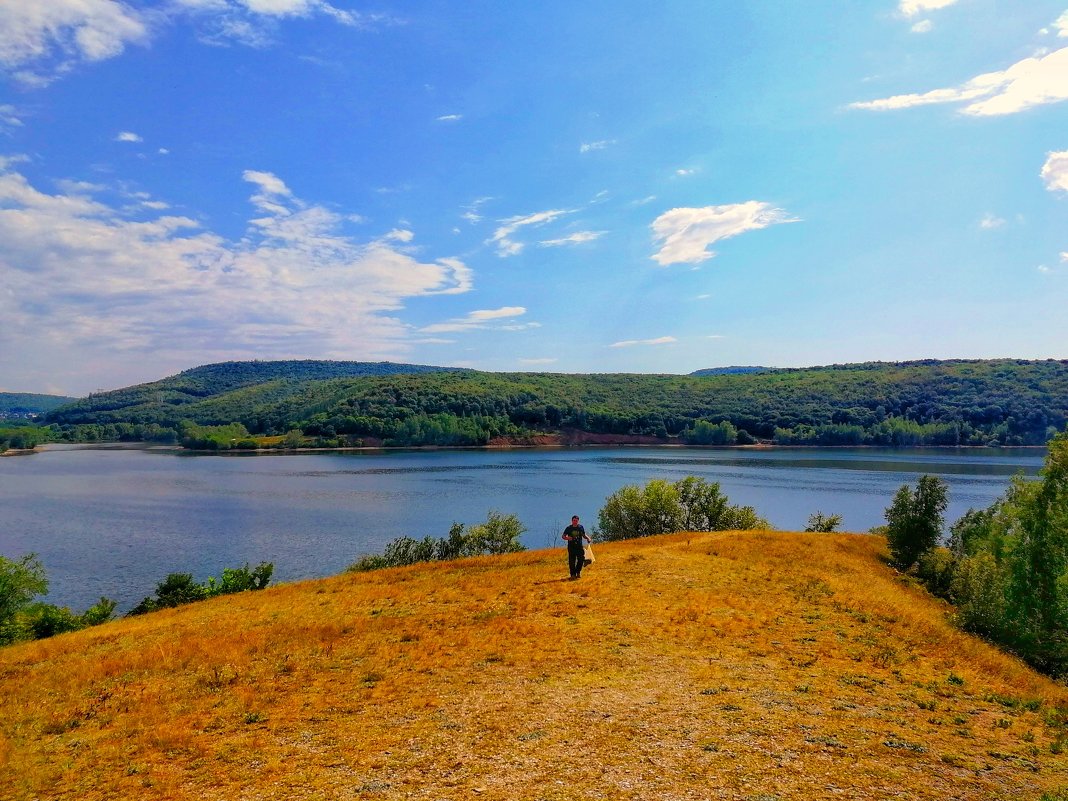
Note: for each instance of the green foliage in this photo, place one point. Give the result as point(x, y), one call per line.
point(21, 618)
point(825, 524)
point(1006, 402)
point(214, 438)
point(977, 587)
point(1007, 567)
point(180, 588)
point(704, 432)
point(691, 504)
point(239, 579)
point(914, 520)
point(20, 582)
point(499, 534)
point(935, 569)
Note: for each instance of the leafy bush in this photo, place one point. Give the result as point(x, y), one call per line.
point(180, 588)
point(914, 520)
point(20, 618)
point(821, 523)
point(499, 534)
point(935, 569)
point(20, 582)
point(690, 504)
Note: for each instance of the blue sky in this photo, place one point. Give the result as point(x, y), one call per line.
point(573, 187)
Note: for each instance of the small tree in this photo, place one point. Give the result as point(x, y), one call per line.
point(20, 582)
point(821, 523)
point(641, 511)
point(914, 520)
point(499, 534)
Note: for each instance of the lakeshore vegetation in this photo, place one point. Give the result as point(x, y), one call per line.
point(337, 404)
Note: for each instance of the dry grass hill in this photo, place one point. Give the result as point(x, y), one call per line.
point(751, 666)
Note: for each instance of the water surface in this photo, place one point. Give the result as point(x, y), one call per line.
point(115, 521)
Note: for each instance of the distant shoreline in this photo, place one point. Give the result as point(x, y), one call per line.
point(492, 446)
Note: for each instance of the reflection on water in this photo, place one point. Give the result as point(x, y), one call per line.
point(115, 522)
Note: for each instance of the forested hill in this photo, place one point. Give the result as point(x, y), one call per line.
point(24, 404)
point(1009, 402)
point(141, 403)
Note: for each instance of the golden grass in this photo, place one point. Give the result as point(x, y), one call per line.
point(727, 665)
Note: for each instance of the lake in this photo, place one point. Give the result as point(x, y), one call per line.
point(116, 521)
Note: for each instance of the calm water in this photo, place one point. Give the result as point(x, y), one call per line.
point(115, 522)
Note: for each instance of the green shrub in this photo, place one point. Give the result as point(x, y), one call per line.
point(690, 504)
point(935, 569)
point(825, 524)
point(499, 534)
point(914, 520)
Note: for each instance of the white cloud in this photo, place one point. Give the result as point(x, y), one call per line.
point(128, 136)
point(586, 147)
point(576, 238)
point(483, 318)
point(1031, 82)
point(1064, 256)
point(1062, 25)
point(686, 234)
point(1042, 268)
point(923, 26)
point(910, 8)
point(991, 221)
point(630, 343)
point(502, 237)
point(682, 173)
point(105, 287)
point(64, 32)
point(450, 118)
point(1055, 171)
point(9, 117)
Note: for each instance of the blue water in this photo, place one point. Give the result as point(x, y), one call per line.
point(114, 522)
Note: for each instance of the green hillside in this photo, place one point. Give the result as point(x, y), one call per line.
point(24, 404)
point(1008, 402)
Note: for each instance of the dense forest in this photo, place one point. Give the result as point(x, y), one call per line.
point(1006, 402)
point(27, 404)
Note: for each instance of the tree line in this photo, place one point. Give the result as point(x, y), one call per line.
point(1004, 568)
point(1000, 402)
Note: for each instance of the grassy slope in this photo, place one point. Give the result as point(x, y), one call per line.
point(738, 666)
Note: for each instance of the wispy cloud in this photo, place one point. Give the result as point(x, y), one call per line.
point(630, 343)
point(450, 118)
point(9, 117)
point(683, 172)
point(1035, 81)
point(911, 8)
point(1055, 171)
point(586, 147)
point(128, 136)
point(923, 26)
point(93, 283)
point(576, 238)
point(483, 318)
point(471, 211)
point(502, 237)
point(991, 221)
point(686, 234)
point(41, 40)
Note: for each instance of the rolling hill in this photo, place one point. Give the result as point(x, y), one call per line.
point(726, 665)
point(1007, 402)
point(26, 404)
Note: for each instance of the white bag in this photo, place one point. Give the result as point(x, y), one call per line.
point(588, 555)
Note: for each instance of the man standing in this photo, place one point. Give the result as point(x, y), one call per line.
point(576, 556)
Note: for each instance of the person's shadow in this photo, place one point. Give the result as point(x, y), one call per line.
point(551, 581)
